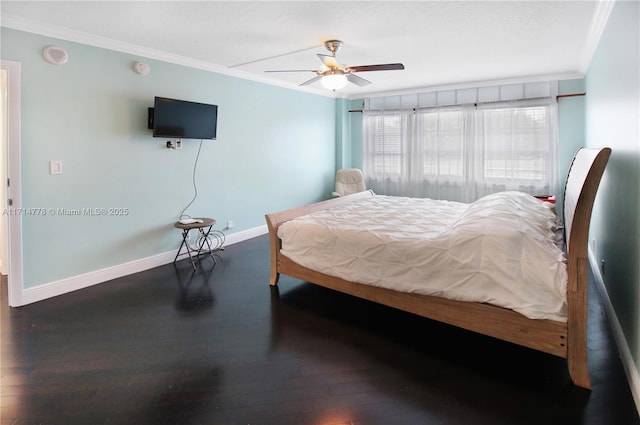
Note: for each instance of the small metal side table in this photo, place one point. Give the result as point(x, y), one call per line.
point(203, 245)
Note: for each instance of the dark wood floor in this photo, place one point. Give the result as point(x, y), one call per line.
point(219, 347)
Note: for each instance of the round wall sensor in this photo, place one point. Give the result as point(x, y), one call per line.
point(141, 68)
point(55, 55)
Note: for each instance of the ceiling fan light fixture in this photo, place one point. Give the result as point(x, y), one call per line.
point(334, 81)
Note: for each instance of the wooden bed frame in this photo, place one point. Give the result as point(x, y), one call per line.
point(567, 340)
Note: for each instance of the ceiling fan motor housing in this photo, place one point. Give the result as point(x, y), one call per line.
point(333, 46)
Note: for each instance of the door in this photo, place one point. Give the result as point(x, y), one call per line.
point(10, 202)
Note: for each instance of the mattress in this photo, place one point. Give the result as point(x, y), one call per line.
point(501, 249)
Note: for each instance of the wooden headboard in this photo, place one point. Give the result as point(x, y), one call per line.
point(581, 187)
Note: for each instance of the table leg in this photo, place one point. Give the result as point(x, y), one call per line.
point(185, 235)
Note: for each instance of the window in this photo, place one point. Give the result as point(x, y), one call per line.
point(388, 150)
point(462, 152)
point(515, 144)
point(441, 134)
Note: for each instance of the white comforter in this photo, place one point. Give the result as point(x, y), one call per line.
point(500, 249)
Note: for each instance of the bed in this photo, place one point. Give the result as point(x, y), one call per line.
point(370, 257)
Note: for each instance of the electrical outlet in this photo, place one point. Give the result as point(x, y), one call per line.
point(229, 224)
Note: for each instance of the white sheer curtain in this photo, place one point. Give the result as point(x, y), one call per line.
point(462, 152)
point(519, 141)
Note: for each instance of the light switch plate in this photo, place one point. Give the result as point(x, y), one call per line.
point(55, 167)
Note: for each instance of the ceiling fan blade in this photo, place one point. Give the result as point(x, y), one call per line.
point(381, 67)
point(274, 56)
point(359, 81)
point(294, 70)
point(328, 61)
point(313, 80)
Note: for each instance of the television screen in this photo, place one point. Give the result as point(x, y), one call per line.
point(180, 119)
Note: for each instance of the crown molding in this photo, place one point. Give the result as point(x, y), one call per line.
point(598, 24)
point(26, 25)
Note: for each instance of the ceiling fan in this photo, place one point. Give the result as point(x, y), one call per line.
point(334, 76)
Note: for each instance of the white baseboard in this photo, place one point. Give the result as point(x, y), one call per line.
point(245, 235)
point(66, 285)
point(625, 354)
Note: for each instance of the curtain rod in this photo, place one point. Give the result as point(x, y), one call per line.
point(560, 96)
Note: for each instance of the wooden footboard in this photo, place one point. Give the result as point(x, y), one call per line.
point(543, 335)
point(567, 340)
point(276, 219)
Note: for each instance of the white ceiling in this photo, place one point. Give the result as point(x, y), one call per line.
point(441, 43)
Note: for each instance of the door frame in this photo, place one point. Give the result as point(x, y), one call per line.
point(14, 229)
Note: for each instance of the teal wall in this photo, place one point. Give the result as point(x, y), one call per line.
point(613, 119)
point(349, 133)
point(355, 132)
point(276, 149)
point(343, 155)
point(571, 136)
point(571, 122)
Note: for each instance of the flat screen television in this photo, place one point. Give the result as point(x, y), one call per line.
point(180, 119)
